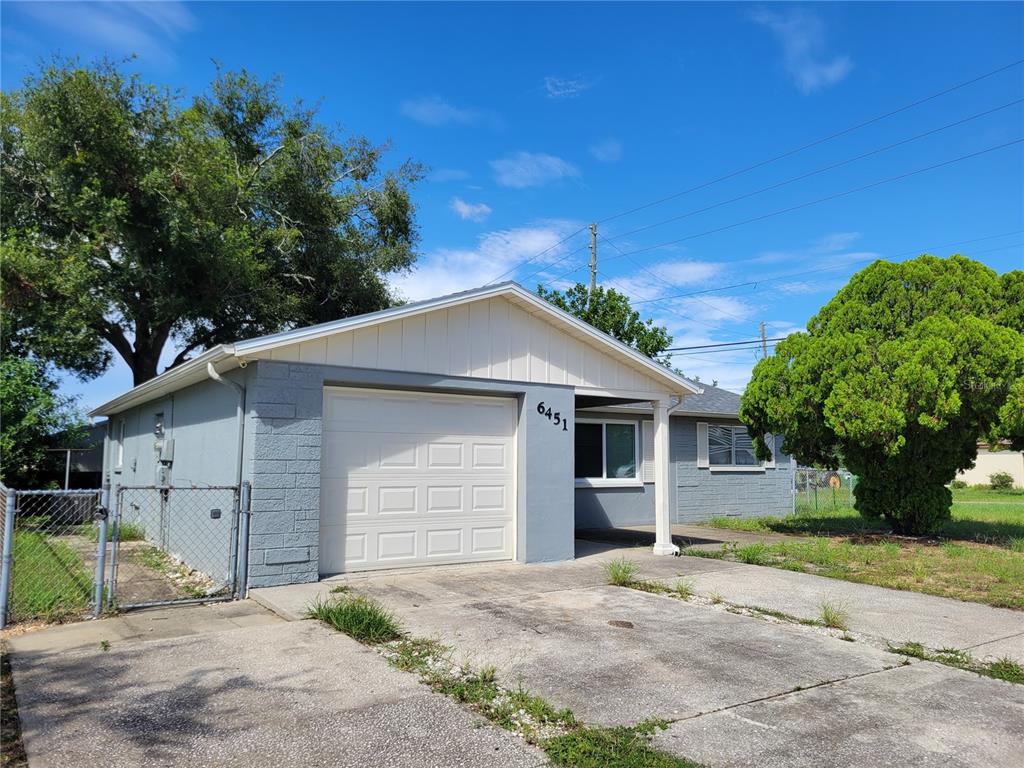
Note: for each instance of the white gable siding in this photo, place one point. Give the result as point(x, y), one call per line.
point(491, 338)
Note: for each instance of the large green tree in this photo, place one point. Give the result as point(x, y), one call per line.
point(609, 311)
point(134, 218)
point(31, 414)
point(897, 377)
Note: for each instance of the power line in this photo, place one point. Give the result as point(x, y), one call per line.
point(827, 198)
point(762, 163)
point(721, 344)
point(816, 142)
point(536, 256)
point(755, 348)
point(815, 172)
point(804, 273)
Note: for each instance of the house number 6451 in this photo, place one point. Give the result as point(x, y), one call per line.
point(555, 418)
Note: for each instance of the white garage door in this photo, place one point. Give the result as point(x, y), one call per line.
point(412, 478)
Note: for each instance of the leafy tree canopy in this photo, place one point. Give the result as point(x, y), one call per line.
point(30, 415)
point(133, 218)
point(897, 377)
point(609, 311)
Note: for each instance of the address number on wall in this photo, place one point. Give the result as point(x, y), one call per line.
point(554, 417)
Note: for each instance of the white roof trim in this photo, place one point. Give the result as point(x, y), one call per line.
point(169, 381)
point(310, 333)
point(195, 370)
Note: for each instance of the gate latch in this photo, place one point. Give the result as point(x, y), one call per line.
point(100, 513)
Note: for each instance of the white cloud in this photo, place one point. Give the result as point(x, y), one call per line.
point(436, 111)
point(446, 270)
point(666, 277)
point(607, 150)
point(144, 28)
point(837, 241)
point(801, 33)
point(469, 211)
point(531, 169)
point(449, 174)
point(566, 87)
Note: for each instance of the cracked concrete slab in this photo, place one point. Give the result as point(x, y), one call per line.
point(662, 658)
point(917, 715)
point(257, 697)
point(888, 614)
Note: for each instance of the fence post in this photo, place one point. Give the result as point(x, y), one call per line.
point(101, 551)
point(243, 540)
point(115, 538)
point(5, 574)
point(233, 551)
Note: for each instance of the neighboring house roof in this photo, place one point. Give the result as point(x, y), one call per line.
point(226, 356)
point(713, 401)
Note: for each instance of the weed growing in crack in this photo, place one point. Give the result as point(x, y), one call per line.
point(621, 572)
point(1003, 668)
point(834, 616)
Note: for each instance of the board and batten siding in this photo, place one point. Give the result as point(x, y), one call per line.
point(488, 339)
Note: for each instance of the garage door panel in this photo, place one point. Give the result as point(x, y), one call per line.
point(411, 478)
point(418, 414)
point(347, 453)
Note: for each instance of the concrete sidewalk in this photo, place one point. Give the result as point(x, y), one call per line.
point(280, 694)
point(141, 625)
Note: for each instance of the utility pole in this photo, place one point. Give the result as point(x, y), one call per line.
point(764, 341)
point(593, 259)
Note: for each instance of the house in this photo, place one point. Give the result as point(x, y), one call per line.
point(990, 462)
point(712, 468)
point(470, 427)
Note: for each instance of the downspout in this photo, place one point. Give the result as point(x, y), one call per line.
point(240, 529)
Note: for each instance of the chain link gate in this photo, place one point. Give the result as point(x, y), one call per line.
point(173, 544)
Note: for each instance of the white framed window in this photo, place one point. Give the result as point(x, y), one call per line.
point(607, 453)
point(728, 447)
point(119, 445)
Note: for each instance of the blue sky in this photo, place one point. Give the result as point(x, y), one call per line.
point(538, 119)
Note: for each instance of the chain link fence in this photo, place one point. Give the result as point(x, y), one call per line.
point(821, 490)
point(173, 544)
point(53, 551)
point(66, 556)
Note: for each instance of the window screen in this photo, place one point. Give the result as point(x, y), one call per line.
point(589, 449)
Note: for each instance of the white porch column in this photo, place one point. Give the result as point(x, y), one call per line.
point(662, 493)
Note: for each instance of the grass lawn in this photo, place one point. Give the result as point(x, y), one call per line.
point(49, 579)
point(978, 556)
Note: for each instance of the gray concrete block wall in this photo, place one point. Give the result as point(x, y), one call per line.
point(702, 494)
point(285, 407)
point(285, 403)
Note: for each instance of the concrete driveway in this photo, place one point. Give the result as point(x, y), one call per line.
point(270, 693)
point(737, 690)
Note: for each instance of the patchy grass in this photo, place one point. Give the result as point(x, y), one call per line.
point(961, 570)
point(1001, 669)
point(683, 588)
point(191, 583)
point(130, 531)
point(621, 572)
point(12, 750)
point(978, 515)
point(834, 616)
point(623, 747)
point(49, 579)
point(359, 617)
point(566, 741)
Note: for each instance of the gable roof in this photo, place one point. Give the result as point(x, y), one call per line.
point(227, 356)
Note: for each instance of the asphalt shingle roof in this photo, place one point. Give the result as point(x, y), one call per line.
point(714, 400)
